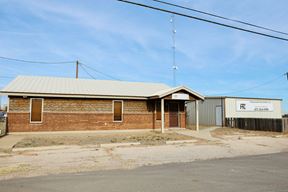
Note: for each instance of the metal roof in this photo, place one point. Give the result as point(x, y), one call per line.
point(235, 97)
point(70, 87)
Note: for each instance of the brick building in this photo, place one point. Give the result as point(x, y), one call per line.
point(64, 104)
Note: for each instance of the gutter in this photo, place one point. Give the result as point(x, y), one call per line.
point(71, 95)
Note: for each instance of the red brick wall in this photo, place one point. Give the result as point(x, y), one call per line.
point(61, 114)
point(18, 122)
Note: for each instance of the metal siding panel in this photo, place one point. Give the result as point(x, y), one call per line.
point(207, 112)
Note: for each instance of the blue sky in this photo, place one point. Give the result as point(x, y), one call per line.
point(134, 44)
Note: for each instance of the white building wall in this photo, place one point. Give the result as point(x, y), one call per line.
point(231, 109)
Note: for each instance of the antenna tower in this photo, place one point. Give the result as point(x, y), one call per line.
point(174, 66)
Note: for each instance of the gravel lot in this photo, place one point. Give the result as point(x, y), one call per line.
point(31, 162)
point(222, 132)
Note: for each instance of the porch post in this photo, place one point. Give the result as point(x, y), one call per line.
point(197, 115)
point(162, 116)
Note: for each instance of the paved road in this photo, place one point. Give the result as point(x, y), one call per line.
point(245, 174)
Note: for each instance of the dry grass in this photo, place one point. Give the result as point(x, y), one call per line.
point(147, 138)
point(222, 132)
point(14, 169)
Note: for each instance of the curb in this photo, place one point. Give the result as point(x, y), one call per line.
point(43, 148)
point(110, 145)
point(180, 142)
point(105, 145)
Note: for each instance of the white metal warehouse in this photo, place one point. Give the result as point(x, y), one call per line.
point(237, 111)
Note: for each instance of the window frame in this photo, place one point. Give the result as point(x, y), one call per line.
point(122, 110)
point(42, 109)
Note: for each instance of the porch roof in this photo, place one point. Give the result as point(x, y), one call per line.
point(169, 91)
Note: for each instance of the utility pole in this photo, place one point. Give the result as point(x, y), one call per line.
point(77, 66)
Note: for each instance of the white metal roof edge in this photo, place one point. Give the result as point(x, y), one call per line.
point(235, 97)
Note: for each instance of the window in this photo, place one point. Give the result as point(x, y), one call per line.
point(36, 110)
point(117, 107)
point(158, 110)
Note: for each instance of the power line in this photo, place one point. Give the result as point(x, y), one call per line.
point(254, 87)
point(201, 19)
point(221, 17)
point(104, 74)
point(38, 62)
point(86, 71)
point(82, 65)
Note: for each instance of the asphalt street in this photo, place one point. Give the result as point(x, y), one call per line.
point(246, 174)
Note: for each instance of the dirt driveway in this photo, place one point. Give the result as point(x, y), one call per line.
point(27, 162)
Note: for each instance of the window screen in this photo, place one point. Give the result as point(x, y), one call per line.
point(36, 110)
point(118, 110)
point(158, 110)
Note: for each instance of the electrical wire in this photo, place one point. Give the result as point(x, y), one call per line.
point(38, 62)
point(254, 87)
point(86, 71)
point(201, 19)
point(104, 74)
point(221, 17)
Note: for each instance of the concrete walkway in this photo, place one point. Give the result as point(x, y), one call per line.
point(7, 142)
point(202, 134)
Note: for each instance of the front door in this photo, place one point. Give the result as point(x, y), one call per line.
point(173, 114)
point(218, 115)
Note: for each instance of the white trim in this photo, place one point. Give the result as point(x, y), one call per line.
point(121, 111)
point(42, 109)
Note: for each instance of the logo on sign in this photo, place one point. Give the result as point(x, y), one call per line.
point(243, 106)
point(254, 106)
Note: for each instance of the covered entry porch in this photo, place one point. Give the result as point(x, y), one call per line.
point(171, 107)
